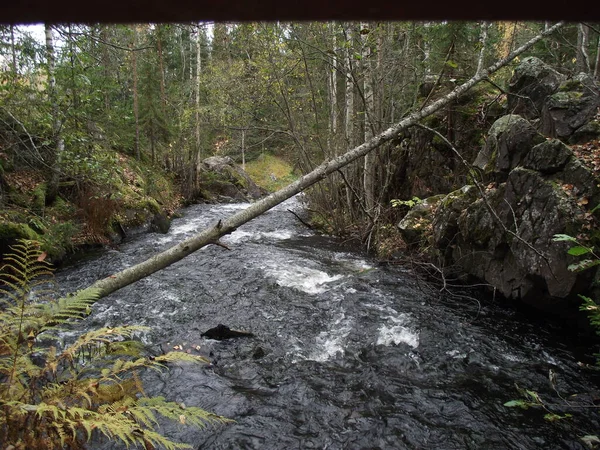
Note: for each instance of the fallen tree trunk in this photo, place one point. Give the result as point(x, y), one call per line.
point(211, 235)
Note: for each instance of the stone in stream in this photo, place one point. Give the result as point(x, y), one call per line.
point(221, 332)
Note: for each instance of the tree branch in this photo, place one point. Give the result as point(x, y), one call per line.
point(161, 260)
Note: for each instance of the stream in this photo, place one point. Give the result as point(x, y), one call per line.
point(347, 353)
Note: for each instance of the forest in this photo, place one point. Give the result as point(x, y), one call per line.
point(481, 141)
point(169, 95)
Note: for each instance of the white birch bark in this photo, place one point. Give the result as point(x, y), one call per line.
point(211, 235)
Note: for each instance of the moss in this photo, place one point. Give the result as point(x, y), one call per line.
point(13, 230)
point(571, 85)
point(39, 198)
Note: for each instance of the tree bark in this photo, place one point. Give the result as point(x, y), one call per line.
point(135, 95)
point(597, 65)
point(349, 109)
point(583, 60)
point(161, 65)
point(59, 142)
point(198, 155)
point(369, 164)
point(211, 235)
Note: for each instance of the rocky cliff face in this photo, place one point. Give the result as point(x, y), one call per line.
point(528, 185)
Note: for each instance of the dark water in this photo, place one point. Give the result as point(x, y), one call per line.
point(347, 354)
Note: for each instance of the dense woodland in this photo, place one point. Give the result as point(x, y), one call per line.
point(82, 106)
point(106, 127)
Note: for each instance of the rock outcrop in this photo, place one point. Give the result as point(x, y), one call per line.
point(221, 179)
point(530, 186)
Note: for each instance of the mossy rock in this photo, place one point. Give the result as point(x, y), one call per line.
point(12, 230)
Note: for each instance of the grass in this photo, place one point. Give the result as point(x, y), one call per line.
point(270, 172)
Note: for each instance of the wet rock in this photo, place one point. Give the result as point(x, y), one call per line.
point(588, 132)
point(533, 81)
point(258, 353)
point(509, 140)
point(445, 222)
point(417, 222)
point(221, 332)
point(548, 157)
point(221, 179)
point(160, 223)
point(574, 105)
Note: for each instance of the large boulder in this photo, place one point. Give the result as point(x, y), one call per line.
point(509, 140)
point(571, 108)
point(416, 224)
point(532, 82)
point(536, 188)
point(506, 239)
point(221, 179)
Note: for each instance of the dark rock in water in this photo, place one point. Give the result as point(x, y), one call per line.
point(221, 332)
point(160, 223)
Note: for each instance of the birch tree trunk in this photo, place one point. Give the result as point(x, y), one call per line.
point(332, 91)
point(582, 63)
point(349, 109)
point(197, 99)
point(211, 235)
point(369, 166)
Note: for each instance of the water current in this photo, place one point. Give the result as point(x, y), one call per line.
point(346, 354)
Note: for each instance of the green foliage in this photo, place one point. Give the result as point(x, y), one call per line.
point(410, 203)
point(53, 396)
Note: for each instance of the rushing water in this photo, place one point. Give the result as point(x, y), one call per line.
point(347, 354)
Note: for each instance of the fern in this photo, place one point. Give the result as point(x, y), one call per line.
point(55, 396)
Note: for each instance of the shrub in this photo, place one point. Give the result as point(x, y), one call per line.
point(54, 397)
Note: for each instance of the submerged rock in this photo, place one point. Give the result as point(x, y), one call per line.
point(222, 332)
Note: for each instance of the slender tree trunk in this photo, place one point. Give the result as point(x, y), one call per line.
point(161, 66)
point(211, 235)
point(243, 149)
point(105, 64)
point(369, 126)
point(482, 43)
point(13, 50)
point(332, 88)
point(597, 65)
point(349, 110)
point(135, 94)
point(197, 98)
point(59, 143)
point(582, 63)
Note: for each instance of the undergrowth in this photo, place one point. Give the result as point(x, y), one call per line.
point(57, 396)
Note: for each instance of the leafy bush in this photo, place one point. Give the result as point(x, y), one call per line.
point(54, 397)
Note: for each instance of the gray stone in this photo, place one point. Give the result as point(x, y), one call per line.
point(588, 132)
point(509, 140)
point(548, 157)
point(575, 104)
point(416, 223)
point(532, 82)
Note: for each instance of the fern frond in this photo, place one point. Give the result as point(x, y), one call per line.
point(186, 415)
point(100, 336)
point(182, 357)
